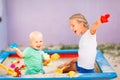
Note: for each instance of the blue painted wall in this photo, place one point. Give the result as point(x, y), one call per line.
point(51, 18)
point(3, 28)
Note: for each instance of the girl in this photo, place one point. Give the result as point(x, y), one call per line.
point(87, 44)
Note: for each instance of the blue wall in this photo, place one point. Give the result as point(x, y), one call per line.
point(3, 28)
point(51, 18)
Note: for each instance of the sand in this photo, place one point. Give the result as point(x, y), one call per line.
point(115, 63)
point(50, 69)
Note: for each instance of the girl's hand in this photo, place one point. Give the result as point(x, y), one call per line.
point(65, 64)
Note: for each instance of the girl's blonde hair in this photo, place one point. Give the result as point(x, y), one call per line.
point(80, 18)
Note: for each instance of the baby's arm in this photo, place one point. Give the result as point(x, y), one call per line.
point(96, 25)
point(46, 58)
point(18, 52)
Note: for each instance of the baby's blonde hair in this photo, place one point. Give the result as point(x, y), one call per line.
point(80, 18)
point(35, 33)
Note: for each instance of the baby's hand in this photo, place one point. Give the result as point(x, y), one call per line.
point(14, 49)
point(104, 18)
point(46, 62)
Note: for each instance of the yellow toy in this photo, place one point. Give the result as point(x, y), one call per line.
point(60, 70)
point(71, 74)
point(55, 56)
point(16, 62)
point(9, 70)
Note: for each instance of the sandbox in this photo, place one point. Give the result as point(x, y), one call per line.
point(103, 70)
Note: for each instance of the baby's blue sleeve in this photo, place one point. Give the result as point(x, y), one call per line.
point(27, 53)
point(45, 55)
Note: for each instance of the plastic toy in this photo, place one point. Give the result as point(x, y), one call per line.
point(17, 70)
point(104, 18)
point(55, 56)
point(23, 67)
point(16, 62)
point(12, 65)
point(3, 56)
point(12, 45)
point(71, 74)
point(60, 71)
point(9, 70)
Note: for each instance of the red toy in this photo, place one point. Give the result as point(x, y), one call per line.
point(23, 67)
point(17, 70)
point(104, 18)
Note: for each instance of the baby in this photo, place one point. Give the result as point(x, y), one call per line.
point(33, 56)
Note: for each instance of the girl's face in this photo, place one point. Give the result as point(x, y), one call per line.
point(76, 26)
point(36, 42)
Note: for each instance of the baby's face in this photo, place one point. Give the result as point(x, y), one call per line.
point(36, 42)
point(76, 26)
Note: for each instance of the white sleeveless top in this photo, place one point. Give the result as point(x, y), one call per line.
point(87, 50)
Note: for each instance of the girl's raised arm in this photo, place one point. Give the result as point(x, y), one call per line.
point(96, 25)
